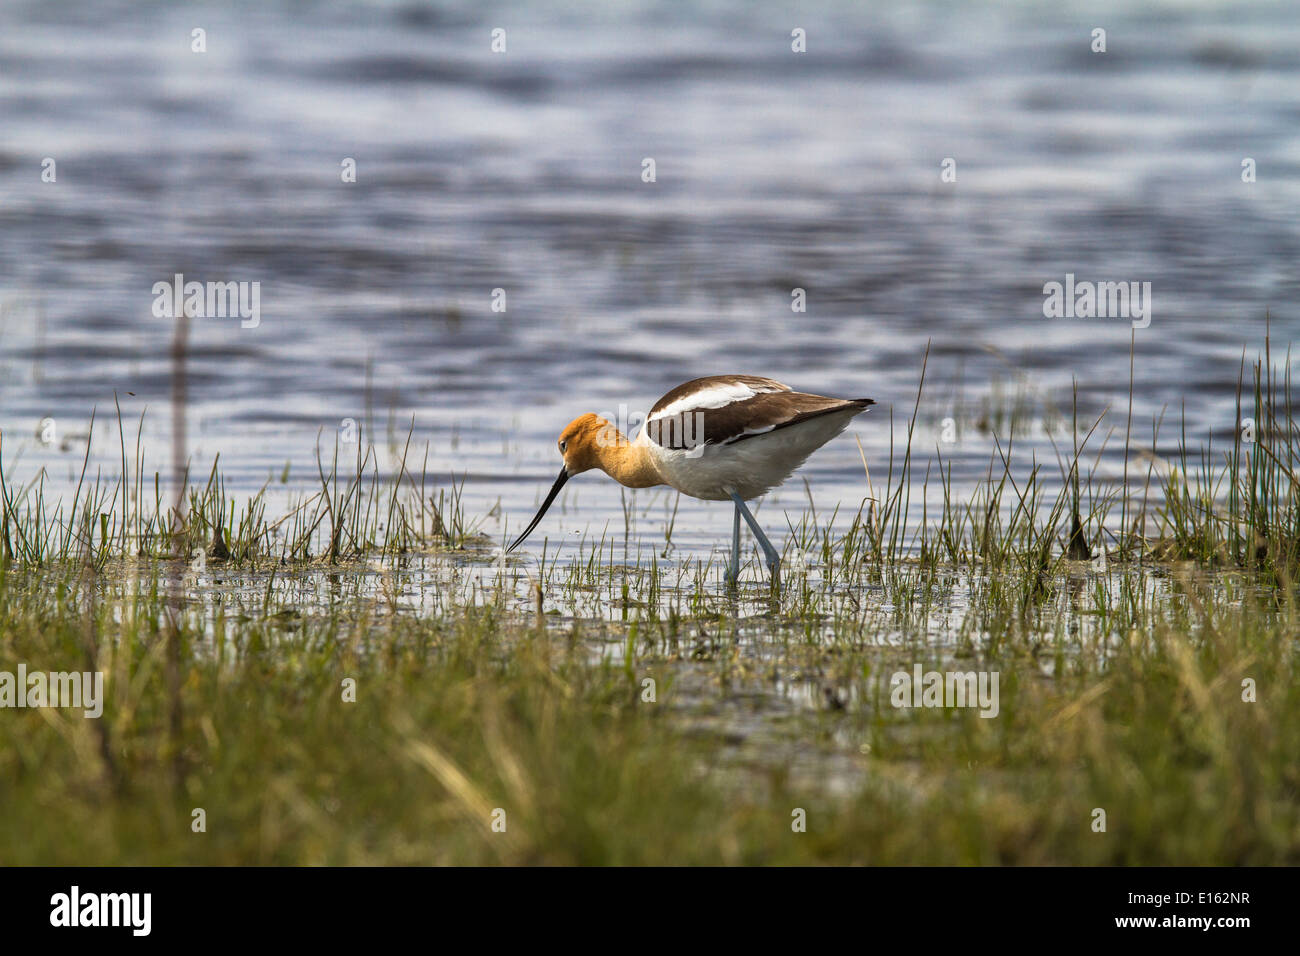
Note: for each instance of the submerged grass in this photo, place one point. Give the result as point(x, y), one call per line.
point(362, 681)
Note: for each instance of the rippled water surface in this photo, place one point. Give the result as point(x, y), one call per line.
point(522, 172)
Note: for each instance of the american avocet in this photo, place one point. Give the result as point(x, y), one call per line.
point(725, 437)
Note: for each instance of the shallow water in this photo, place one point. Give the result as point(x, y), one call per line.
point(478, 171)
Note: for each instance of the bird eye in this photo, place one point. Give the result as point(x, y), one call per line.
point(563, 444)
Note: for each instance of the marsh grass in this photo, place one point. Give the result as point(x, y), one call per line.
point(353, 514)
point(1238, 507)
point(620, 706)
point(1132, 708)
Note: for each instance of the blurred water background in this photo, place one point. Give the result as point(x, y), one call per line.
point(522, 171)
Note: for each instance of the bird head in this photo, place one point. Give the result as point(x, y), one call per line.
point(581, 444)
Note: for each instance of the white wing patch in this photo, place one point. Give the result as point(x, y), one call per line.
point(760, 430)
point(714, 396)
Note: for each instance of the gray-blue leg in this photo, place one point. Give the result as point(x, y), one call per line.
point(733, 572)
point(773, 558)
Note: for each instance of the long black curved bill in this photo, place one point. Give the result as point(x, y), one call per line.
point(555, 490)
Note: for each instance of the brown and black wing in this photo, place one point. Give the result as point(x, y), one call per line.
point(697, 413)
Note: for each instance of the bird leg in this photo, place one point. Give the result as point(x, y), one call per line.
point(773, 558)
point(733, 572)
